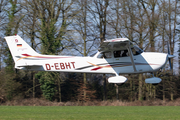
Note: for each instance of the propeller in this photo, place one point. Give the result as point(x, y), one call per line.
point(169, 55)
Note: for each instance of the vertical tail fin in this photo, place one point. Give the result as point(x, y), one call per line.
point(18, 47)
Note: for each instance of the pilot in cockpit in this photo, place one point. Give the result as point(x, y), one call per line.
point(117, 54)
point(125, 53)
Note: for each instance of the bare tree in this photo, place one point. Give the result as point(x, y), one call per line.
point(3, 5)
point(99, 10)
point(83, 33)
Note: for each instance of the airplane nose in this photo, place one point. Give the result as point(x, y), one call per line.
point(171, 56)
point(164, 60)
point(169, 59)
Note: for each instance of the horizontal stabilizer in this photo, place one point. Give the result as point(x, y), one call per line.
point(29, 65)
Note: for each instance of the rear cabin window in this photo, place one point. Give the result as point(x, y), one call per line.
point(105, 55)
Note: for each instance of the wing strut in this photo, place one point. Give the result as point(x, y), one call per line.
point(131, 56)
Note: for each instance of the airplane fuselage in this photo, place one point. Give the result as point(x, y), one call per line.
point(145, 62)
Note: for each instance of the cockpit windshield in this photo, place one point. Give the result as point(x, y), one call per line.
point(136, 50)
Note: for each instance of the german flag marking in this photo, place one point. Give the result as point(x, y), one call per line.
point(19, 45)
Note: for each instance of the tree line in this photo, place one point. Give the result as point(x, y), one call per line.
point(78, 27)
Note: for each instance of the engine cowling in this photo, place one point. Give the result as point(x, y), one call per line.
point(153, 80)
point(117, 79)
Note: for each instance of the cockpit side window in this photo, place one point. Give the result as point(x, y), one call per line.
point(105, 55)
point(121, 53)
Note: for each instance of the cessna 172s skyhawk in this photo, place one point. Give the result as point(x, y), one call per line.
point(116, 56)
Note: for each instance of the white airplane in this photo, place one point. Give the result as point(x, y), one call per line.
point(116, 56)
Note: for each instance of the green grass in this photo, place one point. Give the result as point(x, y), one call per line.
point(90, 112)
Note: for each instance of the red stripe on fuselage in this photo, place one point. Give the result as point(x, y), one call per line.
point(96, 68)
point(26, 55)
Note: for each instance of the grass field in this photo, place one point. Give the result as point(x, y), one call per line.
point(90, 112)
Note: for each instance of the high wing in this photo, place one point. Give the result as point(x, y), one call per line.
point(116, 44)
